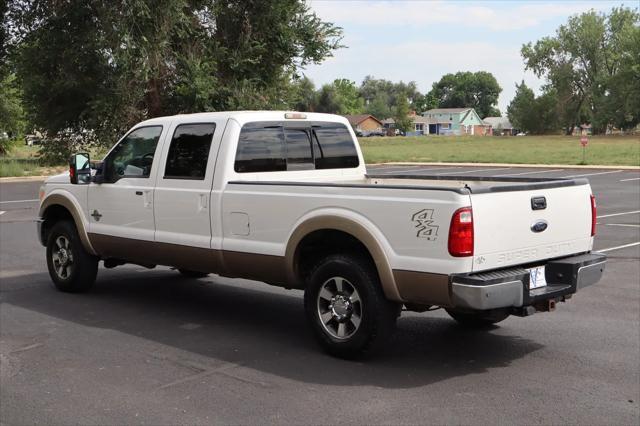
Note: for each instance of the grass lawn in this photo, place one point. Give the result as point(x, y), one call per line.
point(23, 160)
point(601, 150)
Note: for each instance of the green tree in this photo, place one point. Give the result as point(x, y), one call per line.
point(401, 115)
point(99, 67)
point(537, 115)
point(12, 118)
point(380, 107)
point(520, 110)
point(583, 62)
point(381, 96)
point(425, 103)
point(340, 97)
point(479, 90)
point(305, 97)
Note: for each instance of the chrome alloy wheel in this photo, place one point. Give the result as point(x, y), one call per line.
point(339, 308)
point(62, 257)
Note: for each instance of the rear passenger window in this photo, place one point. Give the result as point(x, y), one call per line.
point(299, 155)
point(260, 149)
point(334, 148)
point(189, 151)
point(279, 146)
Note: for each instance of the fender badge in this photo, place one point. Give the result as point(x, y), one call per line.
point(539, 226)
point(424, 224)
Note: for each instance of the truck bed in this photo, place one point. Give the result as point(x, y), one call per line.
point(472, 184)
point(466, 185)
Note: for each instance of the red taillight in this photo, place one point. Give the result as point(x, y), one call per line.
point(72, 172)
point(461, 233)
point(593, 215)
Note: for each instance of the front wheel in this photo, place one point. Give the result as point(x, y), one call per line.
point(346, 308)
point(479, 319)
point(71, 267)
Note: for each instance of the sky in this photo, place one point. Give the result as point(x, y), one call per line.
point(422, 40)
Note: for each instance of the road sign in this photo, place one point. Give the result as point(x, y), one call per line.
point(584, 141)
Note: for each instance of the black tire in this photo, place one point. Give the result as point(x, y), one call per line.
point(72, 269)
point(479, 319)
point(192, 274)
point(376, 316)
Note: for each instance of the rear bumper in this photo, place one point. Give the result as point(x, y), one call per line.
point(510, 288)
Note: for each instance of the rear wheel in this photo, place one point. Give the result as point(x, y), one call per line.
point(346, 307)
point(479, 319)
point(192, 274)
point(71, 267)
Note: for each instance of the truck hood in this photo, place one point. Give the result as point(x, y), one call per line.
point(61, 178)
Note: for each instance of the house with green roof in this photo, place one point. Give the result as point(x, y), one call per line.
point(455, 121)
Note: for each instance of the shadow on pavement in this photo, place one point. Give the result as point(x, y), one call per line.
point(263, 330)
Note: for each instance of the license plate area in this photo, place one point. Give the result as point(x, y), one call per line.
point(537, 277)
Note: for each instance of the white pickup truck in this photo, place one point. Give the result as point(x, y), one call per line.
point(285, 198)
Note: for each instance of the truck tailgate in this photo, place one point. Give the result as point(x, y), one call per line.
point(510, 230)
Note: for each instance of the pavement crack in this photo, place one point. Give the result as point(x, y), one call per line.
point(220, 369)
point(26, 348)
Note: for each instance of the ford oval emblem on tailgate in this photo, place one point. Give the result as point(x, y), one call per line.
point(539, 226)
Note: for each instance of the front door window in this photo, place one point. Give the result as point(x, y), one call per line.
point(133, 156)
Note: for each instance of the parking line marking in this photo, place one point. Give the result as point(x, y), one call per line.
point(476, 171)
point(617, 214)
point(2, 212)
point(627, 180)
point(630, 225)
point(18, 201)
point(417, 169)
point(437, 168)
point(594, 174)
point(618, 247)
point(530, 173)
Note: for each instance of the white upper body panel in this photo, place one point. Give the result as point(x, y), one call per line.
point(257, 212)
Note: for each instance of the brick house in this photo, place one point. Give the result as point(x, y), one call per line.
point(364, 122)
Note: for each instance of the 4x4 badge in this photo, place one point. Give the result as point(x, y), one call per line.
point(424, 224)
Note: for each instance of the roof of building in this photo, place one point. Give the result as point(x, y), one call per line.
point(496, 122)
point(415, 119)
point(446, 110)
point(359, 118)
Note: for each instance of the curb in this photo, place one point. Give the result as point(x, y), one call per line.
point(24, 178)
point(532, 166)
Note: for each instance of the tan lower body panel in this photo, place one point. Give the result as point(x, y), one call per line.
point(414, 287)
point(423, 287)
point(270, 269)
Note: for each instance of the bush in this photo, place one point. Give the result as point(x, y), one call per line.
point(5, 145)
point(56, 150)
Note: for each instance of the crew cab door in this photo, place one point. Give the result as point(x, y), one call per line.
point(122, 205)
point(183, 188)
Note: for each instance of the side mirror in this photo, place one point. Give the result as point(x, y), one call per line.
point(80, 169)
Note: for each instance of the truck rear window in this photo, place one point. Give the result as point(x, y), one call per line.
point(280, 146)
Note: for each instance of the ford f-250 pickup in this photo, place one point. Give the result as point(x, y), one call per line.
point(285, 198)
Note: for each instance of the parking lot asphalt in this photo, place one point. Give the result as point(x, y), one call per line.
point(150, 347)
